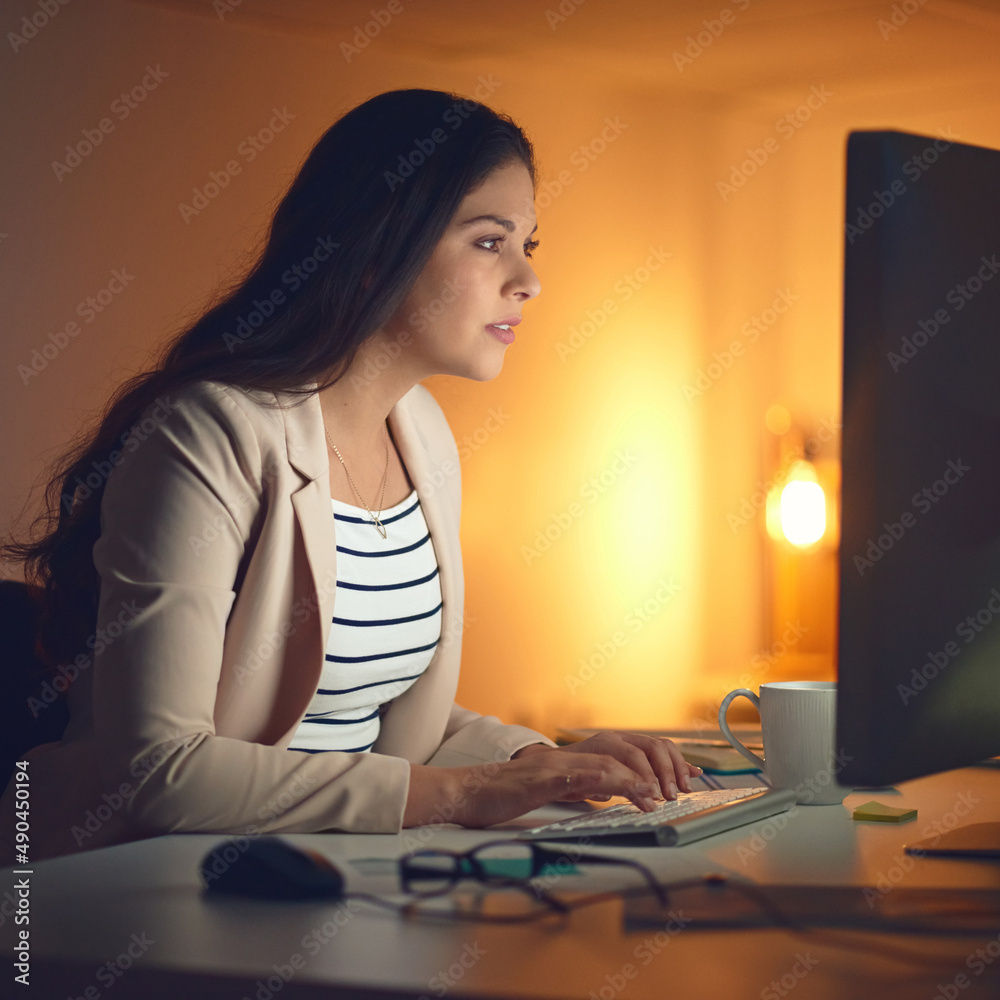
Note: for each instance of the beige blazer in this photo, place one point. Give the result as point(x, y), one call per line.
point(217, 560)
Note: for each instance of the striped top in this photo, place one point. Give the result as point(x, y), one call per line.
point(386, 625)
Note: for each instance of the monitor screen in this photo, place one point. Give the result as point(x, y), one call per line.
point(919, 613)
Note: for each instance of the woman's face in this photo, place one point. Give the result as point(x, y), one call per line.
point(475, 282)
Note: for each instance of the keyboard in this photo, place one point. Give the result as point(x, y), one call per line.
point(691, 816)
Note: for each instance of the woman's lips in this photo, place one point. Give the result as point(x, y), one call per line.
point(503, 330)
point(503, 333)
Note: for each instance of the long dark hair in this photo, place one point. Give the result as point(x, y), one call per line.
point(346, 243)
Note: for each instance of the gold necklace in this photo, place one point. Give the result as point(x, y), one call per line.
point(385, 475)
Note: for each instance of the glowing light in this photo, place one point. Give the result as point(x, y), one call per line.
point(803, 506)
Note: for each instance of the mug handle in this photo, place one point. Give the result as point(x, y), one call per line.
point(727, 732)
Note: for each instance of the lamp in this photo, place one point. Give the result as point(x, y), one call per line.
point(800, 546)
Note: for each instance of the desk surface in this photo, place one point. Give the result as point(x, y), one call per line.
point(89, 910)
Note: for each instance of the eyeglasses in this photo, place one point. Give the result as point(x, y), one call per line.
point(519, 864)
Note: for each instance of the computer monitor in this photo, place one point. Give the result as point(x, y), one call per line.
point(919, 614)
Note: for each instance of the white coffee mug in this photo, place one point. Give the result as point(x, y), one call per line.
point(798, 726)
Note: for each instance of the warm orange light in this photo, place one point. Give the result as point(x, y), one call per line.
point(803, 506)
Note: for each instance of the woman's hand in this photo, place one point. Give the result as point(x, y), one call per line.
point(607, 764)
point(653, 759)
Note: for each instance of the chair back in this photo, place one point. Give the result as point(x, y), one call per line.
point(32, 709)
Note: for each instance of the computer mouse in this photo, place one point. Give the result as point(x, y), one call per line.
point(269, 868)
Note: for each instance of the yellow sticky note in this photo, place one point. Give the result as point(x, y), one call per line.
point(883, 814)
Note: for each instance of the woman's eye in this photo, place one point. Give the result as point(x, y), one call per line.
point(495, 240)
point(494, 243)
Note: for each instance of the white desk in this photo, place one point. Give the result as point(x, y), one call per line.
point(87, 910)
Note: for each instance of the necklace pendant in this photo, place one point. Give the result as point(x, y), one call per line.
point(385, 475)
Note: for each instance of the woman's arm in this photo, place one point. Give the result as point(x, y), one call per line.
point(604, 765)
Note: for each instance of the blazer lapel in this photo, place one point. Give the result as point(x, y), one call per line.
point(425, 477)
point(306, 443)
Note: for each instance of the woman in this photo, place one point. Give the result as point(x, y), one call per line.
point(262, 663)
